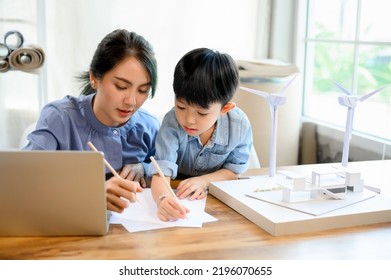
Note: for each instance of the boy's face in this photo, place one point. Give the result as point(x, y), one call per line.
point(196, 120)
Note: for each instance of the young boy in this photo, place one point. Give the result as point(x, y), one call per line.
point(204, 137)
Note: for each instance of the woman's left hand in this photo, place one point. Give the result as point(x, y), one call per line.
point(134, 172)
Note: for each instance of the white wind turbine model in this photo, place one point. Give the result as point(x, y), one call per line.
point(350, 101)
point(274, 100)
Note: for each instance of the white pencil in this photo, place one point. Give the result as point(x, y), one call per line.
point(168, 187)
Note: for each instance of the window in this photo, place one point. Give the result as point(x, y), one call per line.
point(346, 41)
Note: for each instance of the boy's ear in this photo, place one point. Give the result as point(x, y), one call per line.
point(228, 107)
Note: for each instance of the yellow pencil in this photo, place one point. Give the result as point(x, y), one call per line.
point(168, 187)
point(106, 162)
point(108, 165)
point(163, 177)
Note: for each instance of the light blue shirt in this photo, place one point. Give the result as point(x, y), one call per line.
point(69, 123)
point(179, 153)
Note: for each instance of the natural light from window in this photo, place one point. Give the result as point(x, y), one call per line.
point(347, 42)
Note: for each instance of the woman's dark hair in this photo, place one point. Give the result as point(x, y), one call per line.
point(113, 49)
point(204, 76)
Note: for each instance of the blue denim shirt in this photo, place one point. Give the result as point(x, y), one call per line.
point(69, 123)
point(179, 153)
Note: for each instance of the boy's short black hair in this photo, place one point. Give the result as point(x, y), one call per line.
point(204, 76)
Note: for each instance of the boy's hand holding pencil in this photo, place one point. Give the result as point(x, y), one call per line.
point(169, 206)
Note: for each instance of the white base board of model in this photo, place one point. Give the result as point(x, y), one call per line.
point(268, 210)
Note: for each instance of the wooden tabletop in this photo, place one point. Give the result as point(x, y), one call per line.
point(231, 237)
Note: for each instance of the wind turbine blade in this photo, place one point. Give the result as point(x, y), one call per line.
point(365, 97)
point(344, 90)
point(288, 84)
point(257, 92)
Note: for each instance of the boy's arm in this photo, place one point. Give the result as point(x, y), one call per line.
point(196, 187)
point(158, 188)
point(220, 175)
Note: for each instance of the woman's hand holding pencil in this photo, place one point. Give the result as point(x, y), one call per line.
point(119, 191)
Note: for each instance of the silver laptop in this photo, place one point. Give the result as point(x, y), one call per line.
point(52, 193)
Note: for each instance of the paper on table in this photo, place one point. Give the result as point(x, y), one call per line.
point(142, 215)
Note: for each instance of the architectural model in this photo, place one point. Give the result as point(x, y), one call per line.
point(290, 203)
point(331, 183)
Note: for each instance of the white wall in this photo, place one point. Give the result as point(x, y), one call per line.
point(74, 28)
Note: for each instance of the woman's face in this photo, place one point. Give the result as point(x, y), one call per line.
point(121, 92)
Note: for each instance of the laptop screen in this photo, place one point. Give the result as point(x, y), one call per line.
point(52, 193)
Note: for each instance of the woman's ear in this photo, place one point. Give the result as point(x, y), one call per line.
point(93, 81)
point(92, 77)
point(228, 107)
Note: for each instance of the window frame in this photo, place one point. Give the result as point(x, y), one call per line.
point(304, 52)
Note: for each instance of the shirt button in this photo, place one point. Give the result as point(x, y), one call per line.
point(115, 131)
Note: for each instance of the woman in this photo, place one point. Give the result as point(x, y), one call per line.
point(122, 75)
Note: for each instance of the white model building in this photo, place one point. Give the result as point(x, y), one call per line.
point(334, 183)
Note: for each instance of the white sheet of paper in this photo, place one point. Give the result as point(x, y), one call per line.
point(142, 215)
